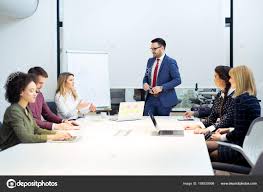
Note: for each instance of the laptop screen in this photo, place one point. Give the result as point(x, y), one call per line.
point(153, 119)
point(131, 110)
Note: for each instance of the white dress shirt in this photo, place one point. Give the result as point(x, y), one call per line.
point(153, 67)
point(67, 106)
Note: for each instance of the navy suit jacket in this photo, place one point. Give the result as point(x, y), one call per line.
point(168, 77)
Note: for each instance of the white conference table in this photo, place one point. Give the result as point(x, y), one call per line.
point(113, 148)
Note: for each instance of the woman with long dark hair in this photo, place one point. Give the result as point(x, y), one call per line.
point(223, 107)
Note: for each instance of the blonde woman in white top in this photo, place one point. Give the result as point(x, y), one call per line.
point(69, 106)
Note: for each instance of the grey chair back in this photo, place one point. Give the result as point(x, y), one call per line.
point(258, 168)
point(252, 151)
point(253, 143)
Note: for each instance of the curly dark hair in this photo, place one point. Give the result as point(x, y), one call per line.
point(15, 84)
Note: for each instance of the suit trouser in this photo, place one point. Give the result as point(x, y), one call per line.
point(154, 105)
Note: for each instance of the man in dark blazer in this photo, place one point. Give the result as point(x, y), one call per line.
point(161, 77)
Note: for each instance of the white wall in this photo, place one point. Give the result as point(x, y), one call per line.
point(194, 31)
point(227, 33)
point(248, 38)
point(29, 42)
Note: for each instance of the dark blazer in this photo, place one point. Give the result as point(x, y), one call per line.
point(168, 77)
point(226, 118)
point(247, 108)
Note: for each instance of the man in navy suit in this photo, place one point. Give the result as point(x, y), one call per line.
point(161, 77)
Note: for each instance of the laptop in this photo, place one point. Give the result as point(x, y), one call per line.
point(167, 131)
point(129, 111)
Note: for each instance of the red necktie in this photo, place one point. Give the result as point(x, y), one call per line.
point(155, 73)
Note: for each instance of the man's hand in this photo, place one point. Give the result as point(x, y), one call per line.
point(146, 87)
point(157, 89)
point(71, 122)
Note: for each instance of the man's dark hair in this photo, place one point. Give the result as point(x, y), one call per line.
point(15, 84)
point(38, 71)
point(160, 41)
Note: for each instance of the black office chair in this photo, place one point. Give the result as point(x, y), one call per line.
point(53, 107)
point(256, 170)
point(117, 96)
point(233, 168)
point(252, 150)
point(139, 95)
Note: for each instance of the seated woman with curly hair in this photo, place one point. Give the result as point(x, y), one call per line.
point(18, 124)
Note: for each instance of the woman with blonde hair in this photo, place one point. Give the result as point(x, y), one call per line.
point(247, 108)
point(69, 105)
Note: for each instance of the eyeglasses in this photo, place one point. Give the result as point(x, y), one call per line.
point(155, 48)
